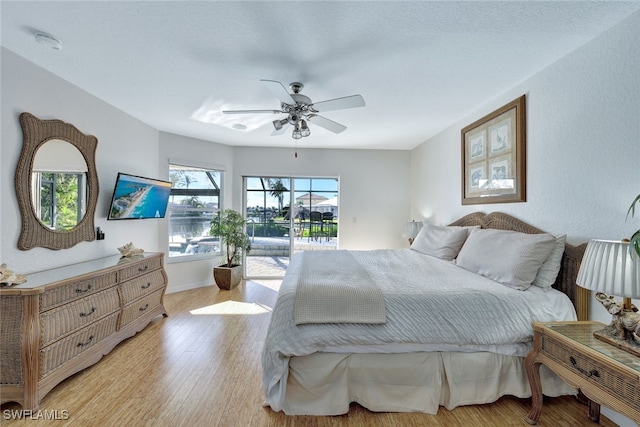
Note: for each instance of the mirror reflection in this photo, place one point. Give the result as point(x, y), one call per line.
point(59, 185)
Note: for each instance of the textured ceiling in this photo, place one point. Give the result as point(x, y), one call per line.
point(420, 66)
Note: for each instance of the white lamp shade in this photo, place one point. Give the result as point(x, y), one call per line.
point(411, 229)
point(608, 266)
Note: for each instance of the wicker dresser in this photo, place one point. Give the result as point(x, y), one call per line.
point(65, 319)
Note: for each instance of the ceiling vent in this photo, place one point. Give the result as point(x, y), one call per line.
point(48, 40)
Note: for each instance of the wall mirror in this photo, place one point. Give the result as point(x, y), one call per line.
point(56, 184)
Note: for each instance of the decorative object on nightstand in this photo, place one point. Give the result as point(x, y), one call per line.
point(609, 268)
point(411, 230)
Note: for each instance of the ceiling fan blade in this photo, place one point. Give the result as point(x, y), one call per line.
point(251, 111)
point(279, 91)
point(352, 101)
point(326, 123)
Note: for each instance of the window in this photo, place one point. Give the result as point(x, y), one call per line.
point(59, 199)
point(278, 230)
point(195, 200)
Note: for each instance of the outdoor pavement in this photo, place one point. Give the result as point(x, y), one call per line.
point(276, 265)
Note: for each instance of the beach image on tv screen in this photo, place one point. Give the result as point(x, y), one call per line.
point(137, 197)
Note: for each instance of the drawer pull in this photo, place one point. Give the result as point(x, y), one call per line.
point(84, 344)
point(89, 313)
point(146, 286)
point(591, 373)
point(141, 269)
point(144, 308)
point(82, 291)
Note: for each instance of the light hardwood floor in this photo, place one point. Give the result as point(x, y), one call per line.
point(201, 367)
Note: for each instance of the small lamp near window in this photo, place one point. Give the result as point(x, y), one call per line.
point(411, 230)
point(609, 268)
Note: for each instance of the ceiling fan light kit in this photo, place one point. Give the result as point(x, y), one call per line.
point(296, 134)
point(279, 123)
point(300, 109)
point(304, 129)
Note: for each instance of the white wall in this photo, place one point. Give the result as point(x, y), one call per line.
point(374, 192)
point(124, 144)
point(583, 147)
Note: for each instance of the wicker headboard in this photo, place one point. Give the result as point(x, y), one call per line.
point(566, 281)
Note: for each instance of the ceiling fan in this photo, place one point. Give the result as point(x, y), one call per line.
point(300, 109)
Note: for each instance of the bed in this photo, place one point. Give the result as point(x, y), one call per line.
point(410, 330)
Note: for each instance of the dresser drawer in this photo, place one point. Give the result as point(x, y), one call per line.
point(626, 387)
point(69, 317)
point(138, 267)
point(75, 290)
point(135, 288)
point(56, 354)
point(140, 307)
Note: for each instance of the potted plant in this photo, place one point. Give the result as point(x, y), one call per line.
point(229, 226)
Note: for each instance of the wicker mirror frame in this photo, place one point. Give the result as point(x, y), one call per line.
point(33, 233)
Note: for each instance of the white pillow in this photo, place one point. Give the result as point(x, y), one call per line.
point(549, 271)
point(442, 242)
point(508, 257)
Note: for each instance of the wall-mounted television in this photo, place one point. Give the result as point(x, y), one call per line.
point(136, 197)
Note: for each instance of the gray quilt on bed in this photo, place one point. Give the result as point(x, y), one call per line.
point(336, 288)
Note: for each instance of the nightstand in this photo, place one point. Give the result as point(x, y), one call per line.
point(605, 374)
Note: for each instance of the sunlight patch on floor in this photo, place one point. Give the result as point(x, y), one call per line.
point(232, 307)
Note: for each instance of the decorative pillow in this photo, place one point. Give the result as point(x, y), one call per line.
point(551, 266)
point(442, 242)
point(508, 257)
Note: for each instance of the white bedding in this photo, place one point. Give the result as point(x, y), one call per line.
point(326, 383)
point(432, 305)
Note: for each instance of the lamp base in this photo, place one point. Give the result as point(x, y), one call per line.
point(609, 334)
point(624, 330)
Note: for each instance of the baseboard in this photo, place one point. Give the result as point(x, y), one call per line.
point(186, 286)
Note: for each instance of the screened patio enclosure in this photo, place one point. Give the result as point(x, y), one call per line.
point(286, 215)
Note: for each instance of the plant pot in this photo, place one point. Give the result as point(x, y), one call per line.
point(227, 277)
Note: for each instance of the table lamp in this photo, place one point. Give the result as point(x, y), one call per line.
point(411, 230)
point(609, 268)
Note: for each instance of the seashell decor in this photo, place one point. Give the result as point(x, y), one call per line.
point(9, 278)
point(130, 250)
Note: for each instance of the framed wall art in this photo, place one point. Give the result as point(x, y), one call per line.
point(494, 157)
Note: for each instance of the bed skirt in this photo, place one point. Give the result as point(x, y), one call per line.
point(326, 383)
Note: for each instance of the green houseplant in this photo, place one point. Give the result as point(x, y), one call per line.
point(229, 226)
point(634, 241)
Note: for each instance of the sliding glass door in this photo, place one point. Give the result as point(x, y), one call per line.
point(286, 215)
